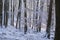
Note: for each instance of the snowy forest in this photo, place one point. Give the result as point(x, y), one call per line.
point(27, 19)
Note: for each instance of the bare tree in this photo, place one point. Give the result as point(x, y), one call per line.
point(1, 13)
point(49, 19)
point(9, 12)
point(19, 15)
point(39, 15)
point(6, 8)
point(12, 14)
point(25, 15)
point(53, 21)
point(29, 6)
point(34, 14)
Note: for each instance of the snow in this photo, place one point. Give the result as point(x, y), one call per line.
point(11, 33)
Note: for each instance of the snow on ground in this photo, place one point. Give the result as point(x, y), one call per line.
point(10, 33)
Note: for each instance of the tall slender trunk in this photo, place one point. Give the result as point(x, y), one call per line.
point(12, 14)
point(53, 19)
point(49, 19)
point(34, 15)
point(1, 13)
point(6, 12)
point(19, 15)
point(25, 15)
point(16, 11)
point(28, 6)
point(22, 15)
point(38, 15)
point(9, 21)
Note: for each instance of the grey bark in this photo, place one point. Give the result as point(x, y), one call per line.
point(12, 14)
point(25, 15)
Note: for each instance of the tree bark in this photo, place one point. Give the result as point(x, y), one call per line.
point(57, 32)
point(12, 14)
point(1, 13)
point(25, 15)
point(6, 13)
point(49, 19)
point(18, 20)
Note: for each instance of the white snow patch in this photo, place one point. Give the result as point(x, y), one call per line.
point(11, 33)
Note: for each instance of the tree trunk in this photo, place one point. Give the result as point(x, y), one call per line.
point(1, 13)
point(49, 19)
point(57, 32)
point(9, 21)
point(6, 13)
point(25, 15)
point(19, 13)
point(38, 23)
point(18, 20)
point(12, 14)
point(34, 15)
point(53, 21)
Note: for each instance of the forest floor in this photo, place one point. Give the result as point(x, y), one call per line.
point(11, 33)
